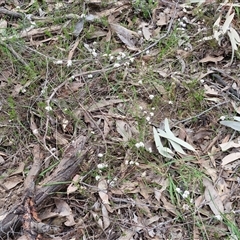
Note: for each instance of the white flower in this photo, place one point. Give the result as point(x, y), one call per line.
point(140, 82)
point(148, 118)
point(150, 149)
point(72, 77)
point(218, 217)
point(111, 58)
point(137, 163)
point(140, 144)
point(58, 62)
point(153, 108)
point(202, 81)
point(92, 132)
point(151, 96)
point(222, 118)
point(140, 107)
point(102, 165)
point(119, 58)
point(100, 155)
point(132, 60)
point(178, 190)
point(151, 114)
point(126, 162)
point(170, 102)
point(35, 131)
point(94, 53)
point(90, 76)
point(97, 177)
point(131, 162)
point(69, 63)
point(48, 108)
point(147, 52)
point(116, 65)
point(185, 194)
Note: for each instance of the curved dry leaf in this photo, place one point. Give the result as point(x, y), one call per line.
point(227, 145)
point(213, 199)
point(230, 158)
point(103, 193)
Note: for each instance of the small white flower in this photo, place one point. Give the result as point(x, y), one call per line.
point(116, 65)
point(137, 163)
point(72, 77)
point(170, 102)
point(119, 58)
point(124, 90)
point(185, 194)
point(140, 144)
point(151, 114)
point(202, 81)
point(178, 190)
point(23, 90)
point(126, 162)
point(92, 132)
point(222, 118)
point(35, 131)
point(104, 55)
point(191, 200)
point(94, 53)
point(153, 108)
point(48, 108)
point(90, 76)
point(111, 58)
point(102, 165)
point(131, 162)
point(151, 96)
point(145, 112)
point(58, 62)
point(148, 118)
point(100, 155)
point(140, 82)
point(122, 54)
point(150, 149)
point(147, 52)
point(69, 63)
point(140, 107)
point(126, 64)
point(218, 217)
point(97, 177)
point(132, 60)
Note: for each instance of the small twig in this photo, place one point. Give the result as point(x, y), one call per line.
point(11, 13)
point(202, 113)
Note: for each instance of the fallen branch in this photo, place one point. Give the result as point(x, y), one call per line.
point(64, 172)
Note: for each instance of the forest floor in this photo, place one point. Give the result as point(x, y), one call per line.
point(119, 120)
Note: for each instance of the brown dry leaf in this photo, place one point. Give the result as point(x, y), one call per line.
point(212, 172)
point(65, 211)
point(97, 219)
point(237, 109)
point(124, 130)
point(106, 220)
point(141, 204)
point(145, 30)
point(213, 199)
point(228, 145)
point(168, 206)
point(104, 103)
point(144, 190)
point(12, 182)
point(162, 19)
point(103, 192)
point(210, 91)
point(73, 186)
point(209, 58)
point(19, 170)
point(127, 234)
point(129, 187)
point(126, 36)
point(223, 189)
point(60, 139)
point(230, 158)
